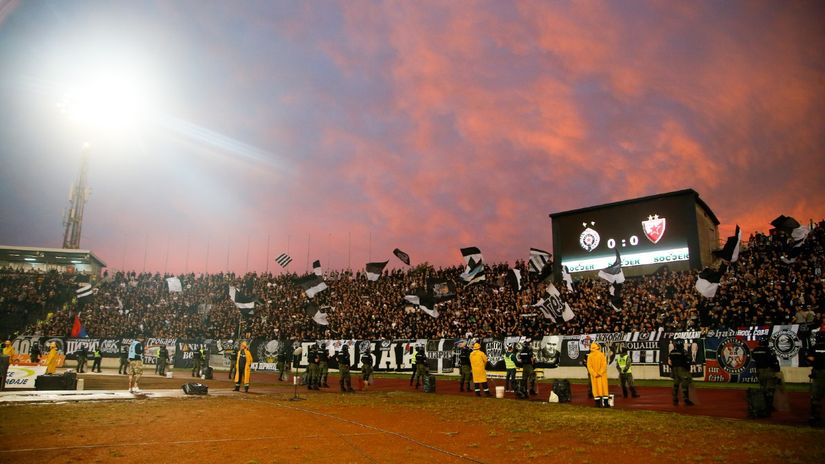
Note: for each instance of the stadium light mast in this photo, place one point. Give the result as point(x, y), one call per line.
point(73, 218)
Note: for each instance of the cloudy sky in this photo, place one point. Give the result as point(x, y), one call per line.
point(341, 130)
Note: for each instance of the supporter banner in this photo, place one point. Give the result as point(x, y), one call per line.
point(547, 351)
point(184, 352)
point(23, 376)
point(362, 346)
point(693, 345)
point(73, 345)
point(785, 343)
point(111, 348)
point(221, 353)
point(24, 344)
point(728, 357)
point(441, 355)
point(151, 349)
point(573, 352)
point(494, 349)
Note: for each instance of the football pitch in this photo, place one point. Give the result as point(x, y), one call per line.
point(389, 423)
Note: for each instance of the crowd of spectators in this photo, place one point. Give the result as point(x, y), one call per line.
point(758, 289)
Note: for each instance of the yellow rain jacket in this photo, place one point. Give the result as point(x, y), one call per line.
point(52, 359)
point(246, 366)
point(597, 367)
point(478, 360)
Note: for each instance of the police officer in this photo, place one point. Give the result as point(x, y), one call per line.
point(97, 355)
point(232, 354)
point(767, 368)
point(313, 369)
point(366, 368)
point(163, 357)
point(124, 360)
point(196, 363)
point(281, 360)
point(625, 367)
point(34, 354)
point(816, 359)
point(528, 375)
point(323, 365)
point(421, 364)
point(680, 368)
point(82, 353)
point(510, 365)
point(414, 366)
point(465, 368)
point(343, 368)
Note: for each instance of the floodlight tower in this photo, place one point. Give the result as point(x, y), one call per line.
point(73, 218)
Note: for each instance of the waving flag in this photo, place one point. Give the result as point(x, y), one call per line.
point(440, 289)
point(241, 300)
point(708, 281)
point(374, 270)
point(283, 259)
point(312, 284)
point(613, 273)
point(473, 265)
point(77, 328)
point(84, 287)
point(421, 300)
point(404, 257)
point(730, 252)
point(553, 307)
point(567, 278)
point(514, 279)
point(538, 260)
point(316, 268)
point(317, 314)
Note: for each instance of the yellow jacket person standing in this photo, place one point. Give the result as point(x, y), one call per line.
point(52, 359)
point(478, 361)
point(244, 364)
point(597, 368)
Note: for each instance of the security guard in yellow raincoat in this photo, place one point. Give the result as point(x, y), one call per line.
point(243, 363)
point(478, 360)
point(597, 367)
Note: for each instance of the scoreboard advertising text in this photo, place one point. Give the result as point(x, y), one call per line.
point(646, 232)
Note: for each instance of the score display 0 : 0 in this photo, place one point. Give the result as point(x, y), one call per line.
point(611, 243)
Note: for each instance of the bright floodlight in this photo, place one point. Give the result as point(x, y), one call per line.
point(110, 101)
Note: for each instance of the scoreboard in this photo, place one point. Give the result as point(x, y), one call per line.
point(672, 228)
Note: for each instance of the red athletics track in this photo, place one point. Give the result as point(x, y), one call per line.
point(729, 403)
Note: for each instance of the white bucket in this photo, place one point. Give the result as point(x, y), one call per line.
point(169, 375)
point(296, 379)
point(499, 392)
point(610, 400)
point(81, 384)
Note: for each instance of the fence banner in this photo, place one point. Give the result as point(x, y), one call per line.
point(23, 376)
point(786, 344)
point(184, 352)
point(693, 345)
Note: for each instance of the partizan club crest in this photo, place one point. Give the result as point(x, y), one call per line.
point(733, 355)
point(589, 238)
point(654, 228)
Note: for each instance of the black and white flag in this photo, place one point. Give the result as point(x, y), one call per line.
point(283, 259)
point(440, 289)
point(84, 287)
point(730, 252)
point(553, 307)
point(514, 279)
point(316, 313)
point(616, 300)
point(312, 284)
point(241, 300)
point(613, 273)
point(567, 278)
point(538, 260)
point(473, 265)
point(316, 268)
point(174, 284)
point(421, 300)
point(404, 257)
point(374, 270)
point(794, 248)
point(708, 281)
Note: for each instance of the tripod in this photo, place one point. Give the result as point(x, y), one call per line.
point(295, 396)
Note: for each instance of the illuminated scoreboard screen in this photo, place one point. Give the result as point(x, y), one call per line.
point(652, 231)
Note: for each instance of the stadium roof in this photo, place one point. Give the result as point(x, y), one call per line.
point(61, 256)
point(651, 197)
